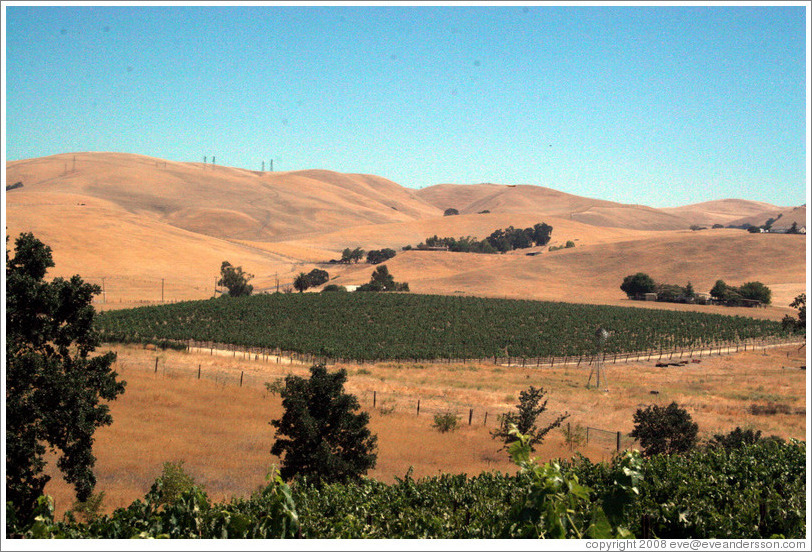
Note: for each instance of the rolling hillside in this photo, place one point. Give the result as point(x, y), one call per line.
point(783, 217)
point(220, 201)
point(495, 198)
point(725, 212)
point(148, 228)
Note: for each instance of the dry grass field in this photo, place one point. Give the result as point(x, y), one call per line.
point(220, 429)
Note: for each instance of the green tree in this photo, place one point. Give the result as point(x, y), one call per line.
point(357, 254)
point(720, 290)
point(322, 436)
point(317, 277)
point(302, 282)
point(636, 284)
point(233, 278)
point(739, 438)
point(542, 233)
point(377, 256)
point(450, 211)
point(382, 280)
point(800, 324)
point(525, 419)
point(756, 291)
point(664, 430)
point(54, 388)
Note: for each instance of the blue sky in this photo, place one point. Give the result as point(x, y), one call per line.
point(661, 106)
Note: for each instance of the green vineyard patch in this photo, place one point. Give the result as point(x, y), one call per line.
point(371, 326)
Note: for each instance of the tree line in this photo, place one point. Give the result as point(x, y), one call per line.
point(499, 241)
point(636, 285)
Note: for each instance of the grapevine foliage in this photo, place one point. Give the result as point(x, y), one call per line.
point(372, 326)
point(755, 491)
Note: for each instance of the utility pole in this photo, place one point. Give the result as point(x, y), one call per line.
point(263, 166)
point(271, 165)
point(74, 164)
point(162, 290)
point(104, 294)
point(277, 282)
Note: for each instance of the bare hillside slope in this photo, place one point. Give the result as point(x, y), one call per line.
point(723, 211)
point(539, 200)
point(222, 201)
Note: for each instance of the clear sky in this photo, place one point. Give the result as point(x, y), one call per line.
point(658, 105)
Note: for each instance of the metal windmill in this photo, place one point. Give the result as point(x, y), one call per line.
point(601, 335)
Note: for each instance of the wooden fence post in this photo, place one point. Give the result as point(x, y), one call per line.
point(486, 419)
point(470, 415)
point(156, 365)
point(618, 441)
point(418, 407)
point(241, 375)
point(374, 398)
point(198, 371)
point(587, 435)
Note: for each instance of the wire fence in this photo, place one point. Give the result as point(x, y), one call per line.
point(662, 356)
point(380, 402)
point(147, 290)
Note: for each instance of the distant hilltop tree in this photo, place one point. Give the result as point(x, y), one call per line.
point(314, 278)
point(233, 278)
point(382, 280)
point(450, 211)
point(317, 277)
point(352, 255)
point(637, 284)
point(377, 256)
point(500, 240)
point(301, 283)
point(732, 296)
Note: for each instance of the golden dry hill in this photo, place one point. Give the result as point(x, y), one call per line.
point(476, 198)
point(147, 228)
point(726, 212)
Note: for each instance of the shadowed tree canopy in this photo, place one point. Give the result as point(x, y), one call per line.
point(301, 282)
point(800, 324)
point(53, 386)
point(756, 291)
point(382, 280)
point(664, 429)
point(233, 278)
point(320, 433)
point(635, 284)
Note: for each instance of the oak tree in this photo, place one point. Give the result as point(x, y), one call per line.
point(54, 385)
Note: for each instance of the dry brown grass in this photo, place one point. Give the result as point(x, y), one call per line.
point(221, 430)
